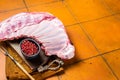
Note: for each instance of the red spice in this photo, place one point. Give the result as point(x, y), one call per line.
point(29, 47)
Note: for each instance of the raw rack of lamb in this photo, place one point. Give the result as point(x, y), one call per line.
point(43, 27)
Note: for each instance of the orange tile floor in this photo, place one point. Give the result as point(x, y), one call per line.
point(93, 26)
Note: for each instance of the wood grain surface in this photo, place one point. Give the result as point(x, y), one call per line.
point(14, 73)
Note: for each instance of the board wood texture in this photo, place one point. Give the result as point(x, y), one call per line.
point(14, 73)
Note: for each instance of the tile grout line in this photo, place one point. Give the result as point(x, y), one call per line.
point(99, 18)
point(57, 1)
point(108, 7)
point(105, 60)
point(91, 41)
point(93, 20)
point(26, 5)
point(95, 56)
point(96, 19)
point(107, 63)
point(13, 9)
point(71, 24)
point(70, 11)
point(45, 3)
point(111, 51)
point(110, 10)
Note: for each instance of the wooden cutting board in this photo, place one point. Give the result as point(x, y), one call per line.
point(14, 73)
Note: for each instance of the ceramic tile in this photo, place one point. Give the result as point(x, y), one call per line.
point(113, 5)
point(83, 47)
point(113, 59)
point(92, 69)
point(38, 2)
point(6, 5)
point(104, 33)
point(53, 78)
point(85, 10)
point(6, 15)
point(117, 16)
point(58, 9)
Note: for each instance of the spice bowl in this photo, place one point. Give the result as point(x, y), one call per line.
point(33, 53)
point(30, 48)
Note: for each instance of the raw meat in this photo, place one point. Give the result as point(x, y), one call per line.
point(43, 27)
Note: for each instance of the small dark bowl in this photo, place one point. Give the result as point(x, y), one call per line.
point(33, 55)
point(38, 58)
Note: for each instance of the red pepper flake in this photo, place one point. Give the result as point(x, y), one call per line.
point(29, 47)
